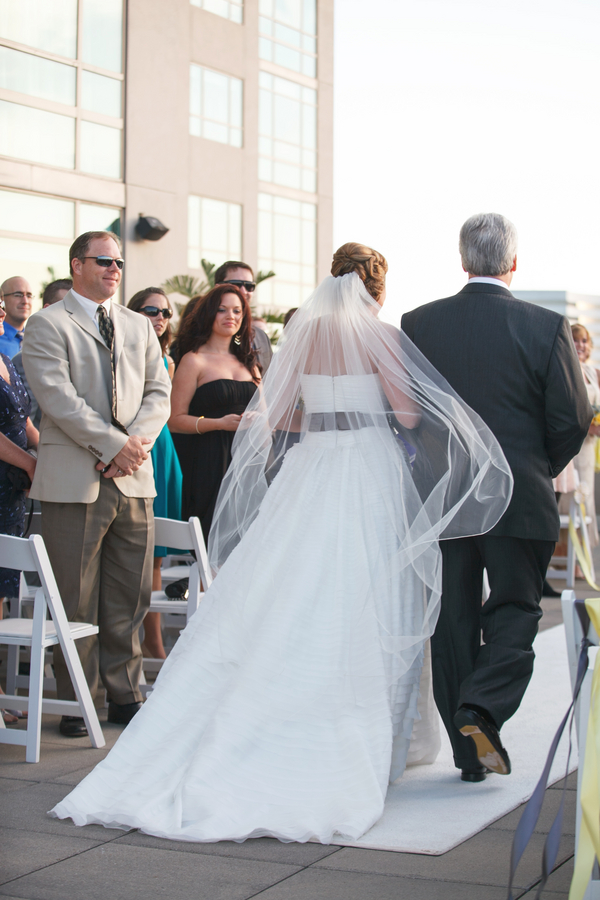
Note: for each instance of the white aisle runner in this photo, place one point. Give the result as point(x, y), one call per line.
point(431, 810)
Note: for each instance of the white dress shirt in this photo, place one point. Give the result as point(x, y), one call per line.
point(484, 279)
point(91, 307)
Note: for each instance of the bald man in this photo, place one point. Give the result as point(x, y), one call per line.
point(18, 299)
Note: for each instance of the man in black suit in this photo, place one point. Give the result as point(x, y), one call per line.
point(515, 364)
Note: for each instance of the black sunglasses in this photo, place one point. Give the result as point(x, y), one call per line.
point(153, 311)
point(249, 285)
point(106, 261)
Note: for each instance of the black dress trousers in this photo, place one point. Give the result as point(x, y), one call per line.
point(486, 660)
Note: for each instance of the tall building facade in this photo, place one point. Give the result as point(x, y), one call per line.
point(213, 116)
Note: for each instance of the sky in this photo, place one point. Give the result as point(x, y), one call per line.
point(446, 108)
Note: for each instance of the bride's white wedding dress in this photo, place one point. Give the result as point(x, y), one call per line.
point(288, 703)
point(279, 712)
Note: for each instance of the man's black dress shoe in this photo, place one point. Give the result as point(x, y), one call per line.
point(122, 714)
point(73, 726)
point(490, 751)
point(477, 773)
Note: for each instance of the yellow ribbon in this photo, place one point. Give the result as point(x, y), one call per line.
point(582, 553)
point(588, 848)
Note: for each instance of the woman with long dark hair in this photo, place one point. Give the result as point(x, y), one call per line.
point(154, 303)
point(215, 380)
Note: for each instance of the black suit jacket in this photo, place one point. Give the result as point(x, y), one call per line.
point(515, 364)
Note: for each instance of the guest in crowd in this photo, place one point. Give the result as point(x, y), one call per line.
point(241, 275)
point(214, 382)
point(289, 315)
point(18, 298)
point(98, 373)
point(585, 461)
point(17, 467)
point(154, 303)
point(53, 292)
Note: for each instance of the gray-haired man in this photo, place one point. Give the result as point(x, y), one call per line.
point(515, 364)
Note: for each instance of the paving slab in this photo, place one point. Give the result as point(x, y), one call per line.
point(137, 873)
point(571, 782)
point(265, 849)
point(25, 852)
point(319, 884)
point(55, 761)
point(552, 801)
point(484, 859)
point(27, 810)
point(7, 785)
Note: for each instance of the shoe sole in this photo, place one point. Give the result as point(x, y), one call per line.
point(486, 752)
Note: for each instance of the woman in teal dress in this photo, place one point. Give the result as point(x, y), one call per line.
point(154, 303)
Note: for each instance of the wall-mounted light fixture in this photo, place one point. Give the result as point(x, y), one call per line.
point(150, 229)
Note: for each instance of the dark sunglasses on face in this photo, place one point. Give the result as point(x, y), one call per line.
point(18, 294)
point(106, 261)
point(153, 311)
point(249, 285)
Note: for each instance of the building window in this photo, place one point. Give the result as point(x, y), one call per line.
point(287, 244)
point(288, 34)
point(216, 110)
point(36, 232)
point(66, 111)
point(228, 9)
point(214, 231)
point(287, 127)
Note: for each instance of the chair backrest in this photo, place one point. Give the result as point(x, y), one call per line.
point(16, 553)
point(184, 536)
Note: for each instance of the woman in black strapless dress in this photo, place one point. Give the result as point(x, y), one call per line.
point(214, 382)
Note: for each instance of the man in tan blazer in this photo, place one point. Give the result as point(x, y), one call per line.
point(97, 372)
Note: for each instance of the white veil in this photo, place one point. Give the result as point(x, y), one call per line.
point(462, 479)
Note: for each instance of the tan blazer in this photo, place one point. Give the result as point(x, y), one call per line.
point(68, 368)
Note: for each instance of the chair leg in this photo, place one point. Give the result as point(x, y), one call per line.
point(36, 684)
point(82, 691)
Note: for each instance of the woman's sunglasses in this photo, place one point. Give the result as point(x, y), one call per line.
point(153, 311)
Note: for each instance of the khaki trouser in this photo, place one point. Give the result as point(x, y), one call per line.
point(101, 554)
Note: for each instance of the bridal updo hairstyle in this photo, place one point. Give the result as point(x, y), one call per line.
point(369, 265)
point(197, 325)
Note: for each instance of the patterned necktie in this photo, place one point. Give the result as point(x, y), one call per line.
point(107, 333)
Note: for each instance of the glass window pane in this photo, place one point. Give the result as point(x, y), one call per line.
point(289, 12)
point(265, 113)
point(37, 135)
point(100, 149)
point(309, 127)
point(235, 102)
point(30, 214)
point(31, 260)
point(286, 115)
point(309, 17)
point(265, 49)
point(235, 13)
point(99, 218)
point(265, 7)
point(265, 170)
point(309, 66)
point(290, 59)
point(265, 26)
point(265, 80)
point(195, 90)
point(216, 100)
point(309, 181)
point(195, 126)
point(288, 35)
point(287, 88)
point(214, 132)
point(214, 231)
point(101, 94)
point(36, 76)
point(103, 33)
point(49, 25)
point(219, 7)
point(289, 176)
point(235, 137)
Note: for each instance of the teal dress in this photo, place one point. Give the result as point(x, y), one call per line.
point(168, 480)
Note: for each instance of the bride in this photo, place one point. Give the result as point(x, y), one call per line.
point(288, 703)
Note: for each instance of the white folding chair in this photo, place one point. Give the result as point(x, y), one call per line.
point(581, 525)
point(29, 554)
point(179, 536)
point(574, 635)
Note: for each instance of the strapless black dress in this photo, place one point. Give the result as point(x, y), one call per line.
point(204, 458)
